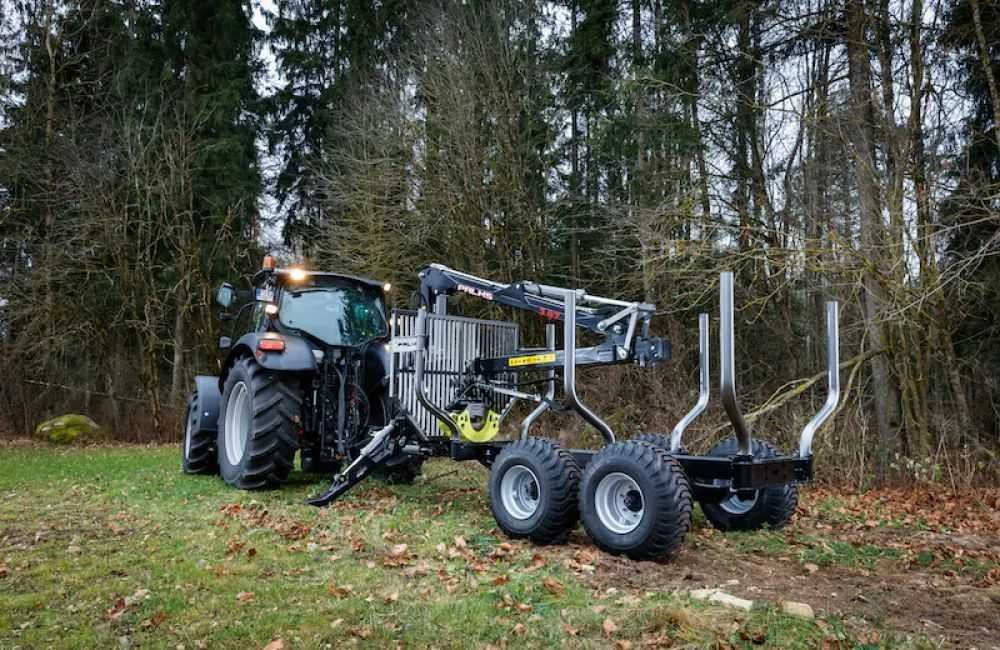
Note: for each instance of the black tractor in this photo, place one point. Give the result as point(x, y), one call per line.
point(304, 368)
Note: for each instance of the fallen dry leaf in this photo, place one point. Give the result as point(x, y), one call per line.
point(154, 621)
point(553, 586)
point(340, 592)
point(398, 550)
point(520, 629)
point(276, 644)
point(609, 627)
point(117, 609)
point(245, 597)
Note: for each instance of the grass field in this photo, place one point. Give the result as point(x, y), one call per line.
point(115, 548)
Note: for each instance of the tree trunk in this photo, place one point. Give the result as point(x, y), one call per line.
point(177, 374)
point(984, 57)
point(872, 229)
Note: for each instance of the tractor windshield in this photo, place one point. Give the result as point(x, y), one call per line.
point(337, 315)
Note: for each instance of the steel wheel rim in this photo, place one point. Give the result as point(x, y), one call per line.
point(520, 492)
point(237, 422)
point(736, 506)
point(620, 503)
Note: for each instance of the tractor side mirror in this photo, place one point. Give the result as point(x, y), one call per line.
point(225, 295)
point(225, 343)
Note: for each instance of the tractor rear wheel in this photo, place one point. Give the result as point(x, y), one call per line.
point(635, 499)
point(257, 426)
point(533, 487)
point(198, 450)
point(771, 506)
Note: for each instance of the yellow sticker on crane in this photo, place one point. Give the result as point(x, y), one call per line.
point(531, 359)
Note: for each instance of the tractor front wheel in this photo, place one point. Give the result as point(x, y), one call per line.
point(198, 451)
point(533, 486)
point(635, 499)
point(257, 426)
point(771, 506)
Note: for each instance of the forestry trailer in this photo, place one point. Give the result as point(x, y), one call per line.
point(318, 365)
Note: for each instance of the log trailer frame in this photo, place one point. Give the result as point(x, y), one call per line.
point(452, 380)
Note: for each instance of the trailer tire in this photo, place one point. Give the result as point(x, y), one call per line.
point(258, 422)
point(533, 490)
point(198, 447)
point(772, 506)
point(635, 499)
point(660, 440)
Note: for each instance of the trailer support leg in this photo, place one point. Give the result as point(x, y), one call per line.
point(372, 456)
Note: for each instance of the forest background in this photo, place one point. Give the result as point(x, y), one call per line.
point(820, 149)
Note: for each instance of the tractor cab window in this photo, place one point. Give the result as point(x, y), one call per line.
point(337, 315)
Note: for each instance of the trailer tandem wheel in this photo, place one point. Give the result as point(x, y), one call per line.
point(635, 499)
point(771, 506)
point(533, 490)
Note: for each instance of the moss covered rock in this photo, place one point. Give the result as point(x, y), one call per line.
point(67, 429)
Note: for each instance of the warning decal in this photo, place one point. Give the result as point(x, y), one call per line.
point(531, 359)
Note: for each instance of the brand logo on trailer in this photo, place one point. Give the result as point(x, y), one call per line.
point(477, 292)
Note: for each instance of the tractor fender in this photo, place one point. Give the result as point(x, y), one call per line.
point(208, 402)
point(296, 357)
point(376, 368)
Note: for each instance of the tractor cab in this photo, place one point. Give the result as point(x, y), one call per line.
point(305, 358)
point(326, 309)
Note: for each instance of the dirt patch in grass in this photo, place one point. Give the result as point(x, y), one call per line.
point(942, 585)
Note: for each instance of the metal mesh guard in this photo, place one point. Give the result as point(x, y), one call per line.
point(455, 341)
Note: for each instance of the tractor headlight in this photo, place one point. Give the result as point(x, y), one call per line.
point(270, 309)
point(297, 275)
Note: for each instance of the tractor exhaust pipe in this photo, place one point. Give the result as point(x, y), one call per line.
point(727, 346)
point(703, 386)
point(832, 380)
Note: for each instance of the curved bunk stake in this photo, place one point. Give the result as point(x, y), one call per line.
point(728, 363)
point(569, 370)
point(832, 379)
point(703, 386)
point(550, 392)
point(418, 376)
